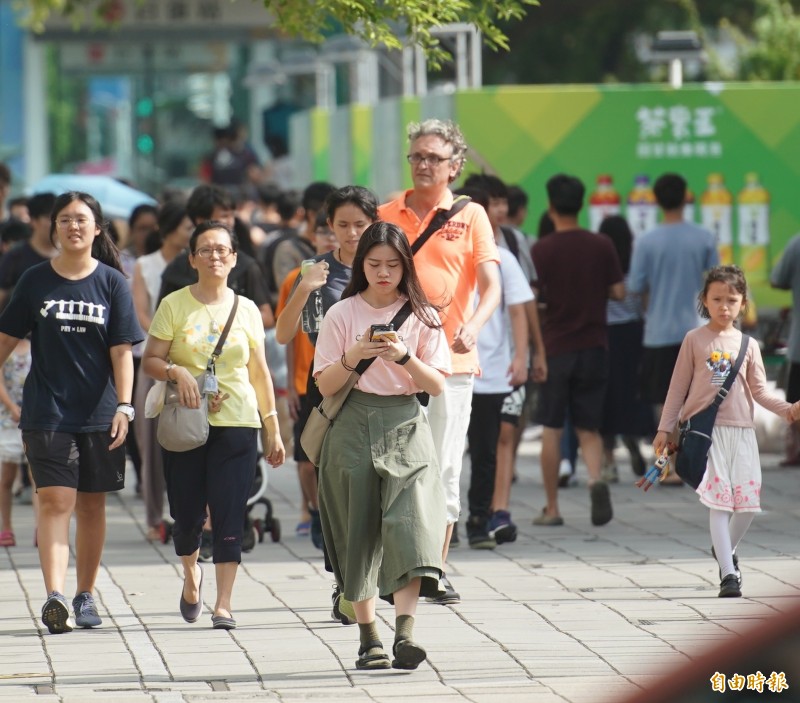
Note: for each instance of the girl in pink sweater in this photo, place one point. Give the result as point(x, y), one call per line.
point(731, 486)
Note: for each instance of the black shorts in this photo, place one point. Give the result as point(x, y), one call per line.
point(575, 381)
point(79, 460)
point(513, 406)
point(299, 424)
point(655, 372)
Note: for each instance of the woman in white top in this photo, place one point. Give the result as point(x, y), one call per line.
point(174, 228)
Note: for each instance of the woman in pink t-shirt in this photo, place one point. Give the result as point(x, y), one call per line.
point(381, 500)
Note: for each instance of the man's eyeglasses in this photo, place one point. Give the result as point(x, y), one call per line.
point(221, 252)
point(65, 222)
point(429, 160)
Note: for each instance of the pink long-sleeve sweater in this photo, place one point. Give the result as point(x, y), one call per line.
point(705, 359)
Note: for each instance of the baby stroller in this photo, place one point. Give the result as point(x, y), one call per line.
point(255, 527)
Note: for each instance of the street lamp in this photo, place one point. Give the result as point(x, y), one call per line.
point(675, 47)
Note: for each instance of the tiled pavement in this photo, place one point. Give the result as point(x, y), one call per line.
point(573, 613)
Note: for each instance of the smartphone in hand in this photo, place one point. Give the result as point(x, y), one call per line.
point(381, 333)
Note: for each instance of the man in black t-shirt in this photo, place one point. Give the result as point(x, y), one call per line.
point(576, 272)
point(37, 249)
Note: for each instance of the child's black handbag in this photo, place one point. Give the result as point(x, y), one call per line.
point(694, 439)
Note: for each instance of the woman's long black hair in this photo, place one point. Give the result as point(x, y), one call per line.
point(391, 235)
point(103, 247)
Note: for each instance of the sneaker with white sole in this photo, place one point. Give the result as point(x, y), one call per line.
point(449, 595)
point(342, 609)
point(55, 614)
point(500, 527)
point(85, 610)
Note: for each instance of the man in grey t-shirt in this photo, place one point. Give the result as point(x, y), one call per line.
point(668, 265)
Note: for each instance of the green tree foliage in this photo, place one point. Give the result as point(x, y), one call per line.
point(773, 51)
point(386, 22)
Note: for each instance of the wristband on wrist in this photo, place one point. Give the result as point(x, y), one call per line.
point(271, 413)
point(169, 368)
point(404, 359)
point(344, 363)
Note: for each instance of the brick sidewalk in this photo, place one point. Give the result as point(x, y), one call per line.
point(575, 613)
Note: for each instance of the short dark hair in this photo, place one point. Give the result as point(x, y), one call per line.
point(489, 184)
point(268, 193)
point(288, 204)
point(476, 194)
point(204, 199)
point(670, 191)
point(363, 198)
point(517, 199)
point(730, 275)
point(315, 194)
point(15, 231)
point(204, 227)
point(565, 194)
point(41, 204)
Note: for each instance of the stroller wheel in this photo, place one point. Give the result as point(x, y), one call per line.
point(259, 528)
point(275, 530)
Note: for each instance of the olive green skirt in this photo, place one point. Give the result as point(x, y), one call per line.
point(381, 499)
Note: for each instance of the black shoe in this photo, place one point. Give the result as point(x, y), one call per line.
point(478, 534)
point(448, 596)
point(736, 570)
point(729, 587)
point(601, 503)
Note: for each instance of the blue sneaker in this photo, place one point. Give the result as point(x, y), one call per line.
point(55, 614)
point(501, 528)
point(85, 610)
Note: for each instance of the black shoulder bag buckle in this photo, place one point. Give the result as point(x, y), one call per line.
point(694, 434)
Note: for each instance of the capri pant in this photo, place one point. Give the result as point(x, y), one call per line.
point(381, 499)
point(219, 474)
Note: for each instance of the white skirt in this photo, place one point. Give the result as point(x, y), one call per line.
point(11, 449)
point(732, 481)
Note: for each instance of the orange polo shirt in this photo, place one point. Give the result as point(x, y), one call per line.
point(447, 263)
point(303, 348)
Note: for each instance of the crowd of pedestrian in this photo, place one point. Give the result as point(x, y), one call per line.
point(455, 329)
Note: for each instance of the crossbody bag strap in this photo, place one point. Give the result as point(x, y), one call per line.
point(224, 335)
point(397, 321)
point(438, 220)
point(725, 388)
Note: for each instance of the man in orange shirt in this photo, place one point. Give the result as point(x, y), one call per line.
point(457, 258)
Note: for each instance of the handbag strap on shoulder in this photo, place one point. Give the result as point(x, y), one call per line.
point(397, 321)
point(438, 220)
point(224, 334)
point(725, 388)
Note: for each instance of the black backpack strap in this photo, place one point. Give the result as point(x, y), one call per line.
point(438, 220)
point(397, 321)
point(725, 388)
point(511, 240)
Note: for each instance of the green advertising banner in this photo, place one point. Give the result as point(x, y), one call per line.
point(737, 145)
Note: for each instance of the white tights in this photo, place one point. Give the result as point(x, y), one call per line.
point(726, 532)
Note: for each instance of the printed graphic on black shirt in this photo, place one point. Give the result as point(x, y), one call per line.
point(70, 312)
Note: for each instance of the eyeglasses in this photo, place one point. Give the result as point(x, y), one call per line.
point(221, 252)
point(429, 160)
point(65, 222)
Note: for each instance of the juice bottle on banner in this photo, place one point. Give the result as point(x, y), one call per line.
point(753, 204)
point(311, 318)
point(716, 204)
point(642, 209)
point(688, 207)
point(603, 202)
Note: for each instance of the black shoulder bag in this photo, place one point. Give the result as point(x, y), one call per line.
point(694, 439)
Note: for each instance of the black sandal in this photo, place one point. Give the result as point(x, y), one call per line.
point(376, 660)
point(407, 654)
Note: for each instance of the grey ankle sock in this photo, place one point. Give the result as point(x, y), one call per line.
point(368, 633)
point(404, 627)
